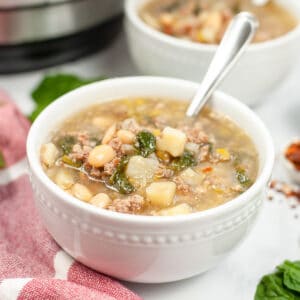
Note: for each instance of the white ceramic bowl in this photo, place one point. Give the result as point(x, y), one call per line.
point(259, 71)
point(145, 248)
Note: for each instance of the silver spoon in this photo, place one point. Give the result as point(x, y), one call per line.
point(239, 34)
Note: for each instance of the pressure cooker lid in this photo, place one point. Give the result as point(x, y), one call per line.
point(27, 21)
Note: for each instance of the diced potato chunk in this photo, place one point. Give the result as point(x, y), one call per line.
point(101, 200)
point(49, 154)
point(64, 178)
point(81, 192)
point(172, 141)
point(191, 177)
point(181, 209)
point(141, 170)
point(161, 193)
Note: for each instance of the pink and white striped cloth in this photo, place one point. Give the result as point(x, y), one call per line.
point(32, 265)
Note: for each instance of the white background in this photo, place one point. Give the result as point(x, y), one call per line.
point(276, 235)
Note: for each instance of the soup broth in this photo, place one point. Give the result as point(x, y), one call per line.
point(142, 156)
point(205, 21)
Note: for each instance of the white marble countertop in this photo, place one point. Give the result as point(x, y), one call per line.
point(276, 235)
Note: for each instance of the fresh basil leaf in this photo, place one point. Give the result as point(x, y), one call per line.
point(271, 287)
point(282, 285)
point(54, 86)
point(291, 275)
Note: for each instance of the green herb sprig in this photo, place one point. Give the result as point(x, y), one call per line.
point(54, 86)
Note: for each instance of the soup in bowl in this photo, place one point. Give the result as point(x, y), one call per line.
point(205, 21)
point(128, 186)
point(143, 156)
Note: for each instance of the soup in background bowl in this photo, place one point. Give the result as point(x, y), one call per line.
point(143, 156)
point(261, 70)
point(205, 21)
point(142, 248)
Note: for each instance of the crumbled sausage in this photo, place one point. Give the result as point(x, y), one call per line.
point(116, 144)
point(130, 205)
point(83, 138)
point(204, 153)
point(160, 122)
point(80, 153)
point(195, 134)
point(163, 172)
point(110, 167)
point(92, 171)
point(182, 187)
point(131, 125)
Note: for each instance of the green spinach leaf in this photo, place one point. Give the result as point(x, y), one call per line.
point(242, 177)
point(145, 143)
point(119, 179)
point(68, 161)
point(66, 144)
point(54, 86)
point(291, 275)
point(271, 288)
point(281, 285)
point(185, 161)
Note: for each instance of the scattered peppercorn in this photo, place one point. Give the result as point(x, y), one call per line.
point(290, 192)
point(287, 189)
point(292, 153)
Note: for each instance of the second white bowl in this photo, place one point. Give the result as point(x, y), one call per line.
point(259, 71)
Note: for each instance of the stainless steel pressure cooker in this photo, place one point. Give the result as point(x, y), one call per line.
point(42, 33)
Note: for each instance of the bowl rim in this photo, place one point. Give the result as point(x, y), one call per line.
point(132, 14)
point(253, 191)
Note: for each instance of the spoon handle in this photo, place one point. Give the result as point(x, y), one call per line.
point(239, 34)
